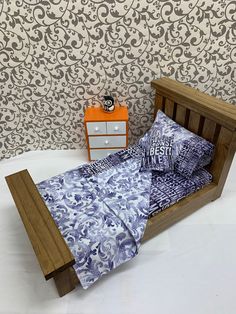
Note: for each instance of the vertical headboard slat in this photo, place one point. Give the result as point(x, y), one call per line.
point(194, 121)
point(209, 130)
point(159, 103)
point(169, 108)
point(180, 115)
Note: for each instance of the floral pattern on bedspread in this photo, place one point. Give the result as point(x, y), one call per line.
point(101, 216)
point(126, 191)
point(102, 208)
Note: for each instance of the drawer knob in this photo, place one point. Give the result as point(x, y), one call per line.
point(116, 128)
point(96, 129)
point(106, 142)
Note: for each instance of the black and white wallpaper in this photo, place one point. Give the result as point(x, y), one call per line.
point(58, 56)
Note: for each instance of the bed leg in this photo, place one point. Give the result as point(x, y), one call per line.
point(217, 195)
point(66, 281)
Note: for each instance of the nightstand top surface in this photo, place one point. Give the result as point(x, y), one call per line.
point(97, 114)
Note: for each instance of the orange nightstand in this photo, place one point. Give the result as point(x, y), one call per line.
point(106, 133)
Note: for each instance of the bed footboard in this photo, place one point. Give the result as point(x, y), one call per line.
point(53, 254)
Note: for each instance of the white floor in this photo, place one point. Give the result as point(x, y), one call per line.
point(191, 268)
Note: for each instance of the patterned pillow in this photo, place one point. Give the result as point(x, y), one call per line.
point(194, 155)
point(190, 152)
point(157, 153)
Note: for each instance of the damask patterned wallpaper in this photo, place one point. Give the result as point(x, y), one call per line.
point(57, 56)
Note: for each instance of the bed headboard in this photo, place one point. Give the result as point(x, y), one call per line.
point(204, 115)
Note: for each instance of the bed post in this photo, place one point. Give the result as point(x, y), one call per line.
point(66, 281)
point(224, 154)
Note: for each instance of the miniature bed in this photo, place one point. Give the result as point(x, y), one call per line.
point(204, 115)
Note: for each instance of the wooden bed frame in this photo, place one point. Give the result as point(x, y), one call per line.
point(205, 115)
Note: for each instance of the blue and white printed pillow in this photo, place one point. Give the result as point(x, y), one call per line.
point(157, 153)
point(189, 151)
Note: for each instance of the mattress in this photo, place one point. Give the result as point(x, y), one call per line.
point(102, 208)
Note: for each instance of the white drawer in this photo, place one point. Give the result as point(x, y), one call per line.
point(116, 127)
point(95, 128)
point(107, 141)
point(101, 153)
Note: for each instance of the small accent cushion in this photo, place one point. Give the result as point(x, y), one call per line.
point(157, 153)
point(190, 152)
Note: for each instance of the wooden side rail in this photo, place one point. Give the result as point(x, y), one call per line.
point(178, 211)
point(50, 248)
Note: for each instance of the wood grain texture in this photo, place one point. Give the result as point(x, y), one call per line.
point(194, 120)
point(169, 108)
point(224, 153)
point(159, 103)
point(180, 114)
point(207, 106)
point(66, 281)
point(208, 130)
point(50, 248)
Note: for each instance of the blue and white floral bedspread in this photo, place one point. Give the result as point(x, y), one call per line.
point(102, 208)
point(101, 211)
